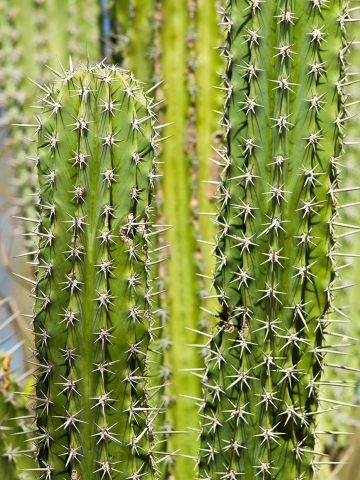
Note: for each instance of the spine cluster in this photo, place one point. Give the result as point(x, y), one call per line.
point(93, 300)
point(276, 261)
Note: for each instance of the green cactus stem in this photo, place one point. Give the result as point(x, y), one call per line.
point(141, 52)
point(182, 299)
point(30, 31)
point(276, 258)
point(345, 332)
point(92, 316)
point(17, 454)
point(208, 65)
point(119, 11)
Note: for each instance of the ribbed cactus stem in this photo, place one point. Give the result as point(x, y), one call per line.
point(92, 317)
point(17, 453)
point(181, 302)
point(275, 254)
point(208, 101)
point(141, 47)
point(29, 31)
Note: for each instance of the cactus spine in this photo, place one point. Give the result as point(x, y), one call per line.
point(92, 313)
point(275, 250)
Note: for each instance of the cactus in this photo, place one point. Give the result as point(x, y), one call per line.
point(140, 53)
point(92, 316)
point(98, 325)
point(33, 34)
point(32, 37)
point(190, 29)
point(17, 455)
point(345, 333)
point(276, 259)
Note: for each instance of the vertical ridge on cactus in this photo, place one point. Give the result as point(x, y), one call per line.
point(275, 269)
point(343, 386)
point(92, 314)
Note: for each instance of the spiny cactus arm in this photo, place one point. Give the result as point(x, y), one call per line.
point(58, 208)
point(7, 465)
point(320, 176)
point(93, 302)
point(273, 273)
point(34, 28)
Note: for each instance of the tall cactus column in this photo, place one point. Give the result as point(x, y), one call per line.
point(92, 317)
point(275, 250)
point(181, 282)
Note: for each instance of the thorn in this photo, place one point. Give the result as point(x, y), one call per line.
point(26, 279)
point(154, 87)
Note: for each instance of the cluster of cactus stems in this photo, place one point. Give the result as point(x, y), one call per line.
point(188, 30)
point(144, 61)
point(104, 401)
point(276, 261)
point(92, 318)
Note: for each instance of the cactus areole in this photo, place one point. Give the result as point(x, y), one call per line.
point(92, 314)
point(276, 262)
